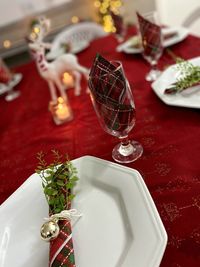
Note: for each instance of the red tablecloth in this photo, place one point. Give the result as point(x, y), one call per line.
point(170, 136)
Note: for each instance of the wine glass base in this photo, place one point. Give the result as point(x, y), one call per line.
point(127, 154)
point(120, 38)
point(12, 95)
point(152, 75)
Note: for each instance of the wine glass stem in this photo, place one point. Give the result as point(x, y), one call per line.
point(154, 65)
point(126, 148)
point(124, 140)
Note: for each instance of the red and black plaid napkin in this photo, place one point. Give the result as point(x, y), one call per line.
point(61, 248)
point(5, 74)
point(151, 36)
point(107, 81)
point(118, 23)
point(108, 86)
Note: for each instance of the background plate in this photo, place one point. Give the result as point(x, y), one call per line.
point(120, 223)
point(182, 33)
point(189, 98)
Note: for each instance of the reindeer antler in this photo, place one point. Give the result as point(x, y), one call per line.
point(39, 29)
point(45, 25)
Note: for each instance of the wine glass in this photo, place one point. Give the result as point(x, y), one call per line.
point(116, 114)
point(11, 93)
point(152, 42)
point(8, 80)
point(120, 26)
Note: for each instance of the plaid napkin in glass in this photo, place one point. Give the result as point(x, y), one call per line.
point(118, 23)
point(108, 86)
point(106, 81)
point(5, 74)
point(151, 36)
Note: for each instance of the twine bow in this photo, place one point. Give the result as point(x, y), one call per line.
point(64, 215)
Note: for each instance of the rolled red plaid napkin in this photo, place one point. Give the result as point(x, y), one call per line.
point(61, 248)
point(58, 181)
point(174, 89)
point(151, 36)
point(5, 74)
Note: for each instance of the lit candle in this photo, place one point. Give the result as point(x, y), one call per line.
point(61, 111)
point(7, 43)
point(68, 79)
point(75, 19)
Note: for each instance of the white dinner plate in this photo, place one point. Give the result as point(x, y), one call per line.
point(189, 98)
point(120, 226)
point(129, 48)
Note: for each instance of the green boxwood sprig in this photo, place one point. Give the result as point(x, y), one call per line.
point(189, 76)
point(58, 180)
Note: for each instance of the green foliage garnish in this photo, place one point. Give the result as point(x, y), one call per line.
point(58, 180)
point(189, 76)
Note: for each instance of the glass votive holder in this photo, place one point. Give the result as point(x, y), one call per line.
point(61, 111)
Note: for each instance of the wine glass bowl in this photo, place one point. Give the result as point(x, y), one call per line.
point(119, 24)
point(115, 120)
point(116, 113)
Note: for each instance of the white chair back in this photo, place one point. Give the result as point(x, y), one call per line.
point(192, 18)
point(188, 15)
point(78, 36)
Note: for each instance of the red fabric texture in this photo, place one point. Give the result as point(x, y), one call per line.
point(170, 137)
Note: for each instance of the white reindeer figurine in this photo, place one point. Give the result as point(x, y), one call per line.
point(52, 72)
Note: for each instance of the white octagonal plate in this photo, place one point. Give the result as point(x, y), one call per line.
point(130, 46)
point(189, 98)
point(120, 226)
